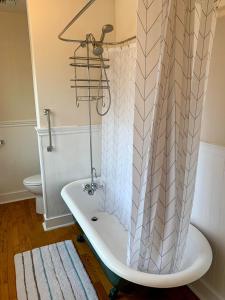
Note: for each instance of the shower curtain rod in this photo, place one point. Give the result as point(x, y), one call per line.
point(77, 16)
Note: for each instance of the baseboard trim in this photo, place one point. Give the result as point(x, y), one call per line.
point(15, 196)
point(57, 222)
point(204, 290)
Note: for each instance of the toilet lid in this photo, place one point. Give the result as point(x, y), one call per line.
point(34, 180)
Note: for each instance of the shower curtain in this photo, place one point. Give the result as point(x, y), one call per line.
point(117, 134)
point(174, 43)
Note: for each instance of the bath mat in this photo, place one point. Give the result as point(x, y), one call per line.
point(52, 272)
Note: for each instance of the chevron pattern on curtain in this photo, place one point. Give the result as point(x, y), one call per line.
point(117, 134)
point(174, 43)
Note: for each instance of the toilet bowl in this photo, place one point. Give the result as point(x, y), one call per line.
point(34, 185)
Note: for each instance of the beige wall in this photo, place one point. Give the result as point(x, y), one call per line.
point(52, 72)
point(16, 89)
point(213, 123)
point(125, 18)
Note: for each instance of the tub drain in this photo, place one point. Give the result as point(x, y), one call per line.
point(94, 219)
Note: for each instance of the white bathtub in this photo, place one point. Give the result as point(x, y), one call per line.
point(109, 240)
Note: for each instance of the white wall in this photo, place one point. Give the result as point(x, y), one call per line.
point(209, 216)
point(69, 161)
point(18, 158)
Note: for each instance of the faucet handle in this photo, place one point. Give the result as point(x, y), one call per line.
point(94, 172)
point(86, 187)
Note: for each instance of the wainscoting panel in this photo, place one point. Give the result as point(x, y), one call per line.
point(209, 216)
point(18, 158)
point(69, 161)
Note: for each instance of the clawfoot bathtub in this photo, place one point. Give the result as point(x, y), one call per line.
point(108, 239)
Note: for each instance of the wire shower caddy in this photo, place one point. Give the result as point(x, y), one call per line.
point(90, 81)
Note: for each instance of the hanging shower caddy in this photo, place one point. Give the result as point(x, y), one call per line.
point(90, 82)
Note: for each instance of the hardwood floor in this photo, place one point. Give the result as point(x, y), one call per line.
point(21, 230)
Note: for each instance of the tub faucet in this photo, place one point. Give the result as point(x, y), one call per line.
point(92, 187)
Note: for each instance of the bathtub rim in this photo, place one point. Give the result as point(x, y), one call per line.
point(186, 276)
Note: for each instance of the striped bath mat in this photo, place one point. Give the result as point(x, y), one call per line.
point(52, 272)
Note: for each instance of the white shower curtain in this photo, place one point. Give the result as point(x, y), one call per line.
point(117, 134)
point(150, 138)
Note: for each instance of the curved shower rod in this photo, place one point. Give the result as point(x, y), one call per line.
point(77, 16)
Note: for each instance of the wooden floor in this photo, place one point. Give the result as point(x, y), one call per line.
point(21, 230)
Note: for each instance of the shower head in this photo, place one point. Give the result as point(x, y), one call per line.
point(106, 29)
point(98, 50)
point(97, 47)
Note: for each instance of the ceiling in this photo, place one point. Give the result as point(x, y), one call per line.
point(10, 6)
point(20, 6)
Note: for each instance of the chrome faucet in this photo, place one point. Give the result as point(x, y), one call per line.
point(92, 187)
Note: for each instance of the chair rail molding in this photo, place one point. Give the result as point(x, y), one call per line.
point(17, 123)
point(68, 130)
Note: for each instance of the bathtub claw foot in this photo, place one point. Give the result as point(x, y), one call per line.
point(113, 293)
point(80, 238)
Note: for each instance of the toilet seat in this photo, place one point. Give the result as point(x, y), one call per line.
point(34, 180)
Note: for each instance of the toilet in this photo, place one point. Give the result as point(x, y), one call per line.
point(34, 185)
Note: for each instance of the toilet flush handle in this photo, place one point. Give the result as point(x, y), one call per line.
point(2, 142)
